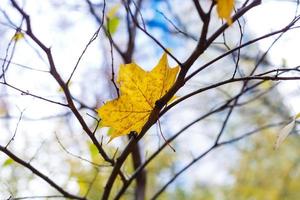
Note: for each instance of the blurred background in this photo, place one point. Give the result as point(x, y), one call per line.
point(49, 136)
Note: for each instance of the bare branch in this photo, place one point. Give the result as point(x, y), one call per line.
point(39, 174)
point(62, 84)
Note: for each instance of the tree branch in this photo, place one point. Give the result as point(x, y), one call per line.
point(61, 83)
point(39, 174)
point(165, 99)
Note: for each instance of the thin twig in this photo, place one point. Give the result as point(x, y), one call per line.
point(93, 38)
point(16, 129)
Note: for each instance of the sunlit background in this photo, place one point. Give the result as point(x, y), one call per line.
point(49, 137)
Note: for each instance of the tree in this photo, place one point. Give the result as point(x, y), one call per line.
point(281, 166)
point(54, 85)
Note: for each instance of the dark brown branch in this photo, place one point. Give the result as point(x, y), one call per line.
point(199, 9)
point(61, 83)
point(39, 174)
point(163, 101)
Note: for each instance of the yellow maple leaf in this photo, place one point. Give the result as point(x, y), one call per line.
point(139, 91)
point(224, 9)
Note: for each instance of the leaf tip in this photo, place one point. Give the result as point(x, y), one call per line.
point(284, 133)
